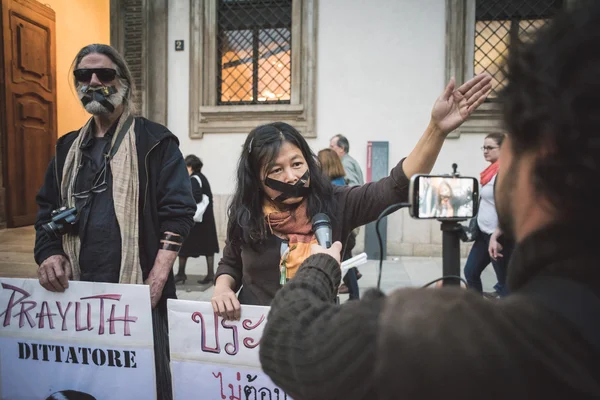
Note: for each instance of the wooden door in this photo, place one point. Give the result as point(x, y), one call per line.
point(29, 90)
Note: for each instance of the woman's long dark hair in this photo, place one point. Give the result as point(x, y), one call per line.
point(246, 219)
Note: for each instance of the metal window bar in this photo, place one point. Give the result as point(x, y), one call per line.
point(502, 23)
point(254, 44)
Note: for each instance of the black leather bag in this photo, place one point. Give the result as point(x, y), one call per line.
point(471, 232)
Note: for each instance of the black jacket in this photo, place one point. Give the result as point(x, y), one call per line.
point(165, 200)
point(444, 343)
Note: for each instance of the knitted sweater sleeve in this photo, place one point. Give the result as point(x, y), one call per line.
point(308, 337)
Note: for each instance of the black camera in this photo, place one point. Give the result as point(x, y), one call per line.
point(63, 221)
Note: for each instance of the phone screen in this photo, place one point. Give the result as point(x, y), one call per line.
point(445, 197)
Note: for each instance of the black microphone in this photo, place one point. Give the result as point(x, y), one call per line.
point(322, 228)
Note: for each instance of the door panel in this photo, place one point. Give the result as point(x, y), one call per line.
point(30, 94)
point(32, 59)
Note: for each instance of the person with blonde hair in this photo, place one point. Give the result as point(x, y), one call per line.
point(332, 167)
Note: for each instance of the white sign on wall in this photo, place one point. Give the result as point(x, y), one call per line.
point(216, 359)
point(93, 341)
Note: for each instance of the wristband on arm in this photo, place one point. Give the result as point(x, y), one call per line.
point(170, 242)
point(170, 247)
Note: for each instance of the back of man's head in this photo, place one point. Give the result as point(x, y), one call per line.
point(342, 141)
point(552, 114)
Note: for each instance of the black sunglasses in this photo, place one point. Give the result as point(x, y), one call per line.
point(104, 74)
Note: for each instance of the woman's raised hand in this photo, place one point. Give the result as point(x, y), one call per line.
point(454, 106)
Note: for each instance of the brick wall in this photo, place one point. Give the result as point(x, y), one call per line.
point(133, 43)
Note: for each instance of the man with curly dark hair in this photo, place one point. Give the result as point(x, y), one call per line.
point(543, 340)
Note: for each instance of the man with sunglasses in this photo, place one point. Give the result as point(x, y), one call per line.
point(125, 180)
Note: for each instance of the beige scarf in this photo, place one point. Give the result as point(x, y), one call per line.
point(125, 192)
point(295, 227)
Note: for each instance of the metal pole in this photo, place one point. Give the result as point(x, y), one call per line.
point(451, 251)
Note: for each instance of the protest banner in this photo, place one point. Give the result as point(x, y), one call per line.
point(216, 359)
point(93, 341)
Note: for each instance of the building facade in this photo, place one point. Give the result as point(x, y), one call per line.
point(211, 70)
point(38, 104)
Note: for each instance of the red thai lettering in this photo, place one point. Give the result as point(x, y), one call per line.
point(231, 348)
point(198, 318)
point(251, 343)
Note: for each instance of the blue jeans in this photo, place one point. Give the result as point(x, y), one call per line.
point(352, 282)
point(479, 258)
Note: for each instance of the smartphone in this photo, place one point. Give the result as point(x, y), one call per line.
point(443, 197)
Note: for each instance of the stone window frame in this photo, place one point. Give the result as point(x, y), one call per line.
point(460, 48)
point(208, 117)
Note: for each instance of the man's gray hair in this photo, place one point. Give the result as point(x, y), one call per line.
point(123, 72)
point(342, 141)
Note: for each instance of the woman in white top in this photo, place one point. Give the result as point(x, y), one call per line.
point(487, 220)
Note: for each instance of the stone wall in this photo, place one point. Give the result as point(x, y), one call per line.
point(139, 31)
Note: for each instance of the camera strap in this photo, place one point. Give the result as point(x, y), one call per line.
point(118, 138)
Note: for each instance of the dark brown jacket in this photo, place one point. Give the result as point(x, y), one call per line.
point(435, 344)
point(258, 271)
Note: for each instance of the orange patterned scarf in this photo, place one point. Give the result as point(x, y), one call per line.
point(295, 227)
point(488, 173)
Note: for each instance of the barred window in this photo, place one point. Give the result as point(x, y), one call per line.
point(502, 22)
point(254, 45)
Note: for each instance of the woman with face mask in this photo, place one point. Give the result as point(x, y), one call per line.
point(280, 188)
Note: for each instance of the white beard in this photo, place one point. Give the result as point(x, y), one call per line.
point(95, 108)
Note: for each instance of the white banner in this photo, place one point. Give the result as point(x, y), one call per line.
point(216, 359)
point(94, 341)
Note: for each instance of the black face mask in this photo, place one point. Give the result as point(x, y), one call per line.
point(99, 94)
point(289, 191)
